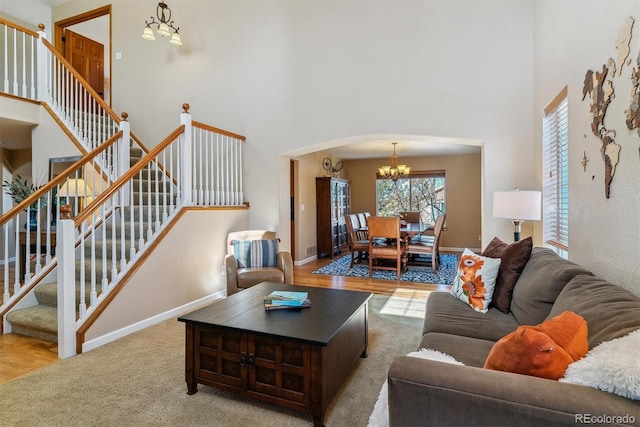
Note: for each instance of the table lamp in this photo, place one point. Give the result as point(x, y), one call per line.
point(75, 188)
point(517, 206)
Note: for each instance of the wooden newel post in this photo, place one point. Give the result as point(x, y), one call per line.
point(65, 212)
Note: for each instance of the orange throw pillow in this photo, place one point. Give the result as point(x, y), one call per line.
point(544, 350)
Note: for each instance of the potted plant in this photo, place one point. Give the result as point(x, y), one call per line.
point(19, 189)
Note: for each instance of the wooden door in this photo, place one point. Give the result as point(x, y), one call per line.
point(87, 58)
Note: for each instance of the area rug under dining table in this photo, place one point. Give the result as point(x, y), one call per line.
point(443, 276)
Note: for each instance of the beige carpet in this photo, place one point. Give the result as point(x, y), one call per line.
point(139, 381)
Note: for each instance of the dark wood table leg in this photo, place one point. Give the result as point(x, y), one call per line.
point(318, 421)
point(192, 385)
point(364, 354)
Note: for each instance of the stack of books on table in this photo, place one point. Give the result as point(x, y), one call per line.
point(285, 300)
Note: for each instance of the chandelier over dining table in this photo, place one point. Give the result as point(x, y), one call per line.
point(394, 171)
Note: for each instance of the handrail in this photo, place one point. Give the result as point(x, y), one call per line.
point(19, 27)
point(57, 180)
point(217, 130)
point(140, 144)
point(117, 185)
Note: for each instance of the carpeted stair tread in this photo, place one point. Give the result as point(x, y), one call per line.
point(39, 321)
point(47, 293)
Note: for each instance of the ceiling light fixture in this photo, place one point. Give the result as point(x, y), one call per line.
point(394, 171)
point(164, 24)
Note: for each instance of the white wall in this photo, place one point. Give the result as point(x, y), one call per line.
point(571, 38)
point(166, 281)
point(290, 74)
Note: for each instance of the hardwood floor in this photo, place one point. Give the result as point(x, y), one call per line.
point(20, 355)
point(303, 275)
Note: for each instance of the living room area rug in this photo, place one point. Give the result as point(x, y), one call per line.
point(443, 276)
point(139, 381)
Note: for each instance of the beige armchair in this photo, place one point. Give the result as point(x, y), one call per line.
point(239, 277)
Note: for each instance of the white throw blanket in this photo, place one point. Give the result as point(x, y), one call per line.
point(380, 415)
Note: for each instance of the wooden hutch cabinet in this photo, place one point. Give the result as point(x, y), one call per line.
point(333, 202)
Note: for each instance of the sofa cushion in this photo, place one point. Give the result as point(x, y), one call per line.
point(514, 257)
point(475, 280)
point(448, 315)
point(542, 279)
point(610, 311)
point(255, 253)
point(470, 351)
point(545, 350)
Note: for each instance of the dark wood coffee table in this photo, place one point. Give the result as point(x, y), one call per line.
point(293, 358)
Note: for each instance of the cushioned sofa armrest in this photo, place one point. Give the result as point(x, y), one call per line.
point(231, 271)
point(429, 393)
point(285, 263)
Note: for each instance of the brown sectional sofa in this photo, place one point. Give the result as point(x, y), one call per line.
point(430, 393)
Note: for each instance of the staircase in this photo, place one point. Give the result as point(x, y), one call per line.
point(204, 163)
point(41, 321)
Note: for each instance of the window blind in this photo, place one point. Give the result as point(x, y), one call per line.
point(555, 194)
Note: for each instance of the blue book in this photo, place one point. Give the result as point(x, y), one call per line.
point(286, 298)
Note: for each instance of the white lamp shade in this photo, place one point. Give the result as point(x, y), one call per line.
point(147, 34)
point(163, 30)
point(523, 205)
point(176, 39)
point(75, 188)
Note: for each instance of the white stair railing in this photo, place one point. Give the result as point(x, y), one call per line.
point(111, 241)
point(29, 229)
point(18, 59)
point(145, 200)
point(31, 68)
point(217, 166)
point(76, 103)
point(196, 165)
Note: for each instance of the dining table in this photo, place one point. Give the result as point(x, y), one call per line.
point(408, 230)
point(411, 229)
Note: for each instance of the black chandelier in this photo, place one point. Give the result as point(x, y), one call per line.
point(164, 26)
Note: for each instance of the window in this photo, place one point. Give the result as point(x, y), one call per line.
point(422, 192)
point(555, 194)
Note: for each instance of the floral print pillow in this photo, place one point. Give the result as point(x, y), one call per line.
point(476, 280)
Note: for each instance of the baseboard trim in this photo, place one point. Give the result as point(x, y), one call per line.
point(305, 261)
point(123, 332)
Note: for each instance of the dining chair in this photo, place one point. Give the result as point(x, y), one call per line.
point(363, 220)
point(392, 248)
point(358, 240)
point(428, 245)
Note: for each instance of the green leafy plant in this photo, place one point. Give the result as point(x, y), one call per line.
point(19, 189)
